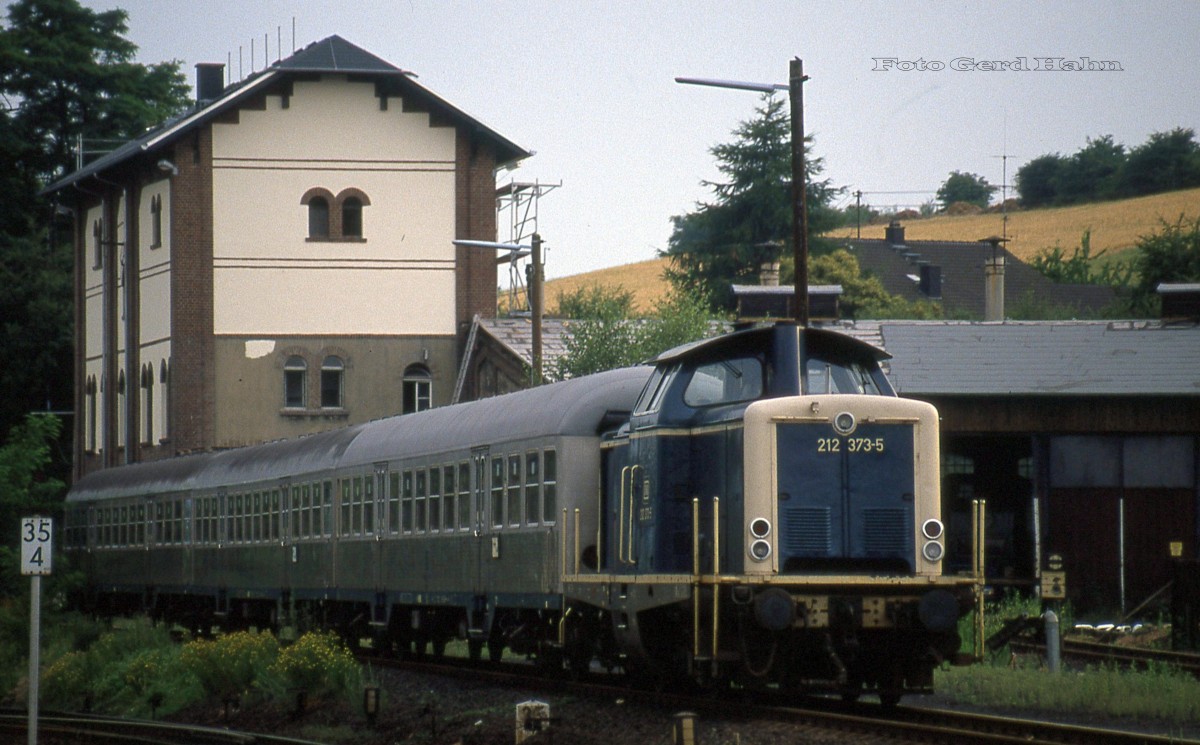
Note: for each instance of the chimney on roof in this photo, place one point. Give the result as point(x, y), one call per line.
point(768, 274)
point(1180, 301)
point(894, 233)
point(993, 278)
point(210, 81)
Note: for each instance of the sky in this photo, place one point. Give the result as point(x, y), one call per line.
point(898, 96)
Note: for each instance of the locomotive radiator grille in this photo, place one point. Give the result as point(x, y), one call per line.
point(886, 532)
point(808, 532)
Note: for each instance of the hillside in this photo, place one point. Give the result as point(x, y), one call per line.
point(1115, 227)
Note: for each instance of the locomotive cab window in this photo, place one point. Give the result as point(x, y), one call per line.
point(725, 382)
point(840, 376)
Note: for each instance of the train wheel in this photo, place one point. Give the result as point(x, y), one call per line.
point(475, 649)
point(439, 647)
point(888, 698)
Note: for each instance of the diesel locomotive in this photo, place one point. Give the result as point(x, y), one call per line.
point(758, 508)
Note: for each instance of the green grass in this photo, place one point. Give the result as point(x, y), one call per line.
point(1160, 693)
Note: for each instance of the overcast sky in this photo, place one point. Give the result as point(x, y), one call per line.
point(589, 86)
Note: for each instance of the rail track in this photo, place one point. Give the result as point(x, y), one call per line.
point(81, 729)
point(1100, 653)
point(905, 723)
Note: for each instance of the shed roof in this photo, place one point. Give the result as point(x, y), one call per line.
point(1059, 358)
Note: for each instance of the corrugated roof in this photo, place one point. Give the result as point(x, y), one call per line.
point(1126, 358)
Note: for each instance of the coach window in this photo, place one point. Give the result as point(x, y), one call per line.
point(435, 499)
point(357, 510)
point(406, 509)
point(295, 372)
point(332, 383)
point(297, 513)
point(497, 492)
point(514, 490)
point(533, 473)
point(418, 389)
point(420, 500)
point(448, 497)
point(394, 502)
point(464, 495)
point(276, 512)
point(368, 506)
point(550, 486)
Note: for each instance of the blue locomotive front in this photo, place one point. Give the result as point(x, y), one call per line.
point(771, 515)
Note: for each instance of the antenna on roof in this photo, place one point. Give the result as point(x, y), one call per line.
point(1004, 181)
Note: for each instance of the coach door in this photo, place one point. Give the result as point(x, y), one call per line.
point(481, 525)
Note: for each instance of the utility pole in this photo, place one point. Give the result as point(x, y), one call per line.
point(795, 89)
point(535, 303)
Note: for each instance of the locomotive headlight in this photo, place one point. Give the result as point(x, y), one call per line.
point(760, 527)
point(760, 550)
point(844, 423)
point(933, 551)
point(932, 529)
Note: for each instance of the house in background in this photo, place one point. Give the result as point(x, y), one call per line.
point(965, 275)
point(280, 259)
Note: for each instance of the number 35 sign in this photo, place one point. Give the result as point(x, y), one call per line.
point(36, 534)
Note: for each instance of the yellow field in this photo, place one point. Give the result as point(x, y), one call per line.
point(1115, 226)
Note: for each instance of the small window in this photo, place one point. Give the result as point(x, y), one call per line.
point(318, 217)
point(156, 221)
point(295, 373)
point(352, 209)
point(418, 389)
point(514, 490)
point(497, 492)
point(550, 482)
point(332, 373)
point(464, 495)
point(533, 475)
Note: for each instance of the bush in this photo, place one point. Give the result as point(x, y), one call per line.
point(231, 665)
point(318, 663)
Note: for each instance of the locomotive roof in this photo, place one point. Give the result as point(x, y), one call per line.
point(572, 407)
point(752, 336)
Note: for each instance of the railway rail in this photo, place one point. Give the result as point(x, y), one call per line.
point(1100, 653)
point(860, 719)
point(78, 729)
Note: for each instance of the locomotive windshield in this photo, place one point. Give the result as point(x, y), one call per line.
point(725, 382)
point(832, 376)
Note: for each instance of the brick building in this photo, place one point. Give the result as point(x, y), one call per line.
point(279, 260)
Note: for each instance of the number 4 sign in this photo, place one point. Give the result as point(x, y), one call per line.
point(36, 533)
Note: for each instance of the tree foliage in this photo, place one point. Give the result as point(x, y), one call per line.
point(749, 221)
point(25, 489)
point(1103, 169)
point(66, 72)
point(965, 187)
point(605, 335)
point(864, 296)
point(1170, 255)
point(1081, 267)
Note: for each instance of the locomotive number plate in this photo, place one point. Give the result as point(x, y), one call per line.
point(850, 444)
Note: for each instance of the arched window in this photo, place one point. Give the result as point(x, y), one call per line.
point(156, 221)
point(164, 377)
point(91, 413)
point(352, 218)
point(332, 382)
point(418, 389)
point(318, 217)
point(295, 372)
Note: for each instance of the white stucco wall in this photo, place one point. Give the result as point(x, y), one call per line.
point(269, 279)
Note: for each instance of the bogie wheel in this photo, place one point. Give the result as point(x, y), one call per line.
point(495, 649)
point(475, 649)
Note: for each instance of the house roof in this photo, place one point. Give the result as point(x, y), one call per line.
point(898, 266)
point(1032, 358)
point(1059, 358)
point(333, 55)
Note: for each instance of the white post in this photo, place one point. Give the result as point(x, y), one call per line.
point(35, 647)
